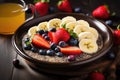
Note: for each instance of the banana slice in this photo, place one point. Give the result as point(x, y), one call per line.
point(42, 26)
point(32, 30)
point(69, 18)
point(71, 25)
point(80, 28)
point(86, 35)
point(88, 46)
point(94, 31)
point(64, 22)
point(83, 22)
point(54, 23)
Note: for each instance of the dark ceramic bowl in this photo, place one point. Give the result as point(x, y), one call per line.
point(63, 68)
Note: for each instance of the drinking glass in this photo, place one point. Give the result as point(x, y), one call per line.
point(12, 15)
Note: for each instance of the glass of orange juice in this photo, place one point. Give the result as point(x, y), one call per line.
point(12, 15)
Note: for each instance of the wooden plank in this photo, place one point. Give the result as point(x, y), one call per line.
point(7, 54)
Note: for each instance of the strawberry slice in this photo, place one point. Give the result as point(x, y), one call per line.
point(53, 37)
point(71, 50)
point(39, 41)
point(63, 34)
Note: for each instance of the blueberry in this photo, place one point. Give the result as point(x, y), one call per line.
point(73, 42)
point(46, 31)
point(111, 55)
point(62, 44)
point(59, 54)
point(57, 49)
point(43, 35)
point(50, 52)
point(33, 49)
point(71, 58)
point(109, 22)
point(42, 51)
point(51, 10)
point(16, 62)
point(40, 32)
point(27, 47)
point(26, 39)
point(47, 38)
point(53, 46)
point(77, 10)
point(53, 29)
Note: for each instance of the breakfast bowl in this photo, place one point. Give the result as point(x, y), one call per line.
point(71, 68)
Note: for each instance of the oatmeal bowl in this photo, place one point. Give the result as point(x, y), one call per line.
point(62, 43)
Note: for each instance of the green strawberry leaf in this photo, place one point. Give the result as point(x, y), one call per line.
point(35, 1)
point(63, 25)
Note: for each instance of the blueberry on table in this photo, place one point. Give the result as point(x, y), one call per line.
point(111, 55)
point(51, 10)
point(77, 10)
point(50, 52)
point(109, 22)
point(16, 62)
point(59, 54)
point(42, 52)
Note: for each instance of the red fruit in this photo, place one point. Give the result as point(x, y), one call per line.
point(96, 76)
point(39, 41)
point(116, 34)
point(101, 12)
point(42, 7)
point(63, 34)
point(53, 37)
point(64, 5)
point(71, 50)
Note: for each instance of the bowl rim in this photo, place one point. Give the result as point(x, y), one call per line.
point(74, 63)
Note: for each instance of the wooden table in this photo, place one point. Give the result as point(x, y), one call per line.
point(7, 53)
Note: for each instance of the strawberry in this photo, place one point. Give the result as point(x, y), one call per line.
point(53, 37)
point(96, 76)
point(116, 34)
point(42, 7)
point(101, 12)
point(71, 50)
point(64, 5)
point(63, 34)
point(39, 41)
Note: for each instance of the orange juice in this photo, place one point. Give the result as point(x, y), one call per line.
point(12, 15)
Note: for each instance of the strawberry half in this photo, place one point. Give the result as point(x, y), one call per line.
point(64, 5)
point(63, 34)
point(71, 50)
point(53, 37)
point(42, 7)
point(101, 12)
point(39, 41)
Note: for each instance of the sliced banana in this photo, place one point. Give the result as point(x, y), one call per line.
point(83, 22)
point(69, 18)
point(94, 31)
point(88, 46)
point(32, 30)
point(86, 35)
point(71, 25)
point(80, 28)
point(42, 26)
point(64, 22)
point(54, 23)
